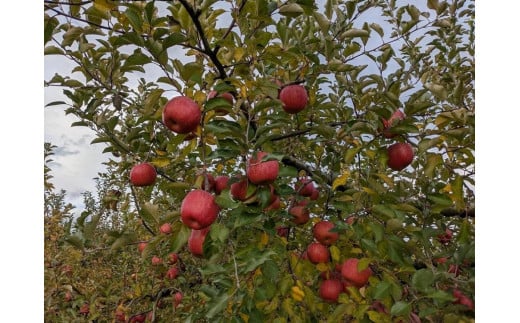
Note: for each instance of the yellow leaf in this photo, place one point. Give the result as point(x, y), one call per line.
point(369, 191)
point(244, 317)
point(335, 253)
point(199, 97)
point(446, 188)
point(160, 152)
point(160, 162)
point(264, 239)
point(104, 5)
point(297, 293)
point(238, 54)
point(341, 180)
point(322, 267)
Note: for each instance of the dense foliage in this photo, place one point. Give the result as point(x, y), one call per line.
point(360, 62)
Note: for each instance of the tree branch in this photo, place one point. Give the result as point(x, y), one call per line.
point(207, 48)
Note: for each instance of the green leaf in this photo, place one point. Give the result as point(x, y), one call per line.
point(150, 214)
point(291, 10)
point(180, 236)
point(437, 90)
point(55, 103)
point(219, 232)
point(216, 305)
point(384, 210)
point(432, 161)
point(192, 72)
point(441, 295)
point(75, 241)
point(71, 35)
point(401, 309)
point(53, 50)
point(382, 290)
point(172, 40)
point(50, 25)
point(323, 22)
point(422, 280)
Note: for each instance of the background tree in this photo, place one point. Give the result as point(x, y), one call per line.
point(377, 73)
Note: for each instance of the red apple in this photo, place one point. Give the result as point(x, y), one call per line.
point(454, 269)
point(388, 124)
point(84, 309)
point(275, 204)
point(315, 194)
point(172, 258)
point(226, 95)
point(143, 175)
point(221, 183)
point(379, 307)
point(305, 187)
point(463, 299)
point(321, 232)
point(211, 182)
point(120, 315)
point(400, 155)
point(282, 232)
point(239, 190)
point(156, 261)
point(172, 273)
point(439, 261)
point(262, 172)
point(141, 246)
point(181, 115)
point(294, 98)
point(318, 253)
point(196, 241)
point(177, 298)
point(198, 209)
point(138, 318)
point(300, 214)
point(166, 228)
point(445, 238)
point(349, 270)
point(350, 220)
point(330, 290)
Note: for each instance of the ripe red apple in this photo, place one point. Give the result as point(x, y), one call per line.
point(156, 261)
point(315, 194)
point(463, 299)
point(120, 315)
point(172, 273)
point(305, 187)
point(221, 183)
point(318, 253)
point(439, 261)
point(138, 318)
point(141, 246)
point(172, 258)
point(68, 296)
point(196, 241)
point(400, 155)
point(84, 309)
point(242, 190)
point(143, 175)
point(262, 172)
point(321, 232)
point(330, 290)
point(294, 98)
point(445, 238)
point(397, 116)
point(226, 95)
point(282, 232)
point(181, 115)
point(166, 228)
point(275, 203)
point(177, 298)
point(300, 214)
point(198, 209)
point(349, 270)
point(211, 182)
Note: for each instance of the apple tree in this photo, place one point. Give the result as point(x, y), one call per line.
point(262, 120)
